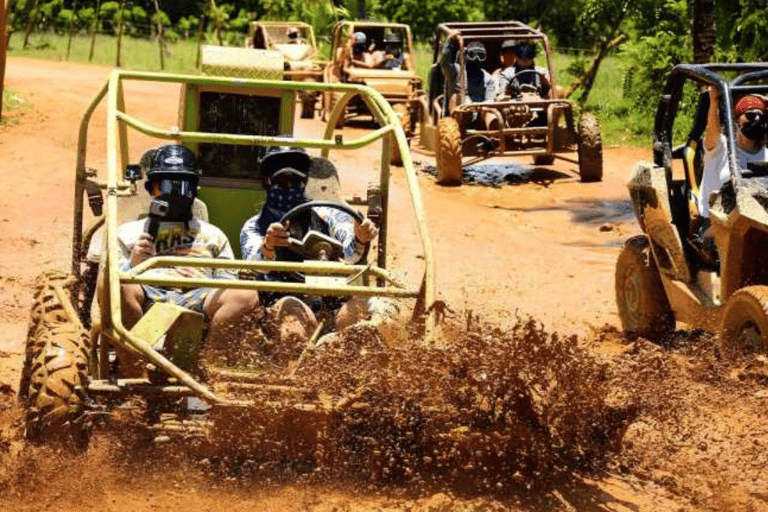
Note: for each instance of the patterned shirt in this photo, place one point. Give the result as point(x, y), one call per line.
point(197, 239)
point(340, 226)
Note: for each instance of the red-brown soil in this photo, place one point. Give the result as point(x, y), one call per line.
point(684, 430)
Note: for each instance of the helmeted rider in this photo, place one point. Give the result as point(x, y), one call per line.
point(394, 57)
point(480, 85)
point(263, 237)
point(171, 230)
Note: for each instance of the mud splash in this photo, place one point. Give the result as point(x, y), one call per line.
point(498, 420)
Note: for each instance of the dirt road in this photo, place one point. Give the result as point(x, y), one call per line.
point(545, 248)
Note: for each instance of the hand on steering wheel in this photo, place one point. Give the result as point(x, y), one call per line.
point(526, 87)
point(321, 246)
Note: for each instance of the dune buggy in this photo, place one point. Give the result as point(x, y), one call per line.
point(529, 125)
point(400, 87)
point(668, 274)
point(296, 42)
point(72, 373)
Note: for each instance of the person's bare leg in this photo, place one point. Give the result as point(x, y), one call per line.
point(225, 308)
point(351, 312)
point(132, 300)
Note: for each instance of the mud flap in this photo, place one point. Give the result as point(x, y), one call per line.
point(650, 196)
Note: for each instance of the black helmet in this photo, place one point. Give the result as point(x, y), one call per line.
point(173, 161)
point(393, 38)
point(280, 157)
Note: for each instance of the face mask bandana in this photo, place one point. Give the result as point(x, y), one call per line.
point(280, 200)
point(755, 129)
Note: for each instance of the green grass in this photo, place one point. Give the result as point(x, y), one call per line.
point(137, 54)
point(621, 122)
point(11, 101)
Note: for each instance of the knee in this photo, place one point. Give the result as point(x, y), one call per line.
point(241, 302)
point(132, 296)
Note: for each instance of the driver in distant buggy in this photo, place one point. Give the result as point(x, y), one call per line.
point(520, 72)
point(268, 236)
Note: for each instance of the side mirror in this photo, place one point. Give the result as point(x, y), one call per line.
point(133, 173)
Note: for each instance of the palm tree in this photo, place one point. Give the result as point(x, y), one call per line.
point(703, 30)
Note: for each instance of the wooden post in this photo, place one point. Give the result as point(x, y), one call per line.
point(199, 41)
point(160, 37)
point(2, 53)
point(95, 29)
point(120, 33)
point(71, 24)
point(30, 21)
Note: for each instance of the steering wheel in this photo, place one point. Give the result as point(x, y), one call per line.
point(526, 87)
point(312, 244)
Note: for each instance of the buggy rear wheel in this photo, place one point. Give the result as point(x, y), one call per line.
point(448, 152)
point(401, 109)
point(745, 322)
point(543, 159)
point(590, 148)
point(642, 302)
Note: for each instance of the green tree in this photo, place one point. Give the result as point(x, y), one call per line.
point(424, 15)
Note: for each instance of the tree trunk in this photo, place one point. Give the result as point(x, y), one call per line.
point(2, 53)
point(95, 29)
point(703, 30)
point(588, 79)
point(361, 9)
point(120, 33)
point(160, 37)
point(30, 22)
point(71, 26)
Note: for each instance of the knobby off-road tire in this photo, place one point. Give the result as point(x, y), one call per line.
point(46, 307)
point(543, 159)
point(55, 372)
point(745, 322)
point(643, 305)
point(405, 122)
point(590, 148)
point(448, 152)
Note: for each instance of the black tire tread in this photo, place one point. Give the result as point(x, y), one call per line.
point(448, 152)
point(747, 304)
point(655, 319)
point(590, 148)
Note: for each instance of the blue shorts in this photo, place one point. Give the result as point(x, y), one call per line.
point(190, 299)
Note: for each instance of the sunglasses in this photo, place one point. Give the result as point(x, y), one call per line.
point(752, 115)
point(476, 55)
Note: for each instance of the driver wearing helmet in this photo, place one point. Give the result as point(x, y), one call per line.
point(394, 57)
point(263, 237)
point(171, 230)
point(522, 71)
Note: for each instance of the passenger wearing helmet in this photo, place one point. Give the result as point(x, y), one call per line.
point(360, 56)
point(480, 85)
point(394, 57)
point(284, 171)
point(171, 230)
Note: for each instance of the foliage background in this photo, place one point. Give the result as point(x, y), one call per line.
point(641, 39)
